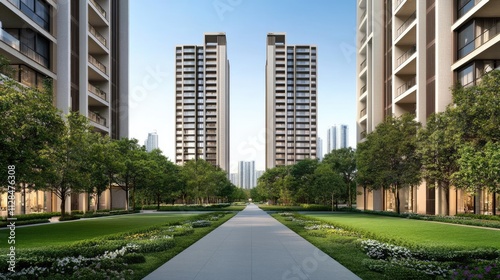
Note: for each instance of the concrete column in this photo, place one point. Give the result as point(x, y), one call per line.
point(63, 87)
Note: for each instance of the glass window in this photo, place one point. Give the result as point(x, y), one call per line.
point(466, 75)
point(463, 7)
point(466, 40)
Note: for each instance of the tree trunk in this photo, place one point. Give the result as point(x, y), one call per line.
point(63, 205)
point(364, 198)
point(110, 197)
point(336, 205)
point(349, 196)
point(332, 202)
point(447, 199)
point(397, 200)
point(126, 198)
point(23, 209)
point(158, 202)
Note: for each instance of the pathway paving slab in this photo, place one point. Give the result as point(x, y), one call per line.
point(252, 246)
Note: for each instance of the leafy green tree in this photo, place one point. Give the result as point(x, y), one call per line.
point(99, 158)
point(30, 124)
point(366, 173)
point(438, 145)
point(395, 160)
point(343, 161)
point(302, 178)
point(66, 169)
point(479, 167)
point(201, 179)
point(129, 165)
point(328, 182)
point(271, 184)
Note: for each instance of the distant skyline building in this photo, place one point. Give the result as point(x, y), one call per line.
point(291, 112)
point(258, 173)
point(246, 174)
point(319, 148)
point(337, 137)
point(234, 178)
point(152, 142)
point(202, 101)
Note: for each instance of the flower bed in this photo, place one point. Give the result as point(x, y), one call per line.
point(395, 259)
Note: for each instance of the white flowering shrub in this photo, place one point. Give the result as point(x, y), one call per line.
point(378, 250)
point(200, 223)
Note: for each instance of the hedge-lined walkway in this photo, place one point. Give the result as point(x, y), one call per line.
point(252, 245)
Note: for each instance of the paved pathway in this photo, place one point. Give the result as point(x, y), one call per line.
point(252, 245)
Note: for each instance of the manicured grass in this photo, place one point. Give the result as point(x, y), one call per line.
point(416, 231)
point(69, 232)
point(341, 248)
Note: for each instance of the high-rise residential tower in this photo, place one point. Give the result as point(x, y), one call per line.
point(246, 174)
point(337, 137)
point(410, 53)
point(152, 142)
point(82, 47)
point(331, 139)
point(202, 101)
point(319, 148)
point(291, 98)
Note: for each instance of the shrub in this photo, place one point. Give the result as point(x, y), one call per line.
point(133, 258)
point(156, 245)
point(200, 223)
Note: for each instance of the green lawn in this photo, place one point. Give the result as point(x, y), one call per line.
point(68, 232)
point(416, 231)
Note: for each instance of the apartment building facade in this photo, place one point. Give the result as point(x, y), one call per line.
point(291, 101)
point(202, 101)
point(409, 55)
point(337, 137)
point(82, 46)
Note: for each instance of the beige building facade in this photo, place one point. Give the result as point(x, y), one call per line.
point(409, 55)
point(82, 46)
point(291, 101)
point(202, 101)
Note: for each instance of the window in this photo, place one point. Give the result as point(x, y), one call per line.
point(466, 40)
point(463, 6)
point(38, 11)
point(466, 75)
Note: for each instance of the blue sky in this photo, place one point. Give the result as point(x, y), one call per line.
point(157, 26)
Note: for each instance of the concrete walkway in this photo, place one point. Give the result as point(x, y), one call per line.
point(252, 245)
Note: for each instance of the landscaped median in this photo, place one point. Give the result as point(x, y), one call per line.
point(125, 247)
point(376, 247)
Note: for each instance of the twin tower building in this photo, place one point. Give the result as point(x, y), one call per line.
point(202, 94)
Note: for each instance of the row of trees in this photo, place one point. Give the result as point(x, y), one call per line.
point(63, 155)
point(310, 181)
point(459, 147)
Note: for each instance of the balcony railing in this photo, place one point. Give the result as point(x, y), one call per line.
point(98, 35)
point(97, 91)
point(99, 8)
point(362, 113)
point(34, 55)
point(15, 3)
point(398, 3)
point(406, 55)
point(480, 40)
point(9, 39)
point(362, 90)
point(97, 118)
point(363, 40)
point(406, 24)
point(363, 15)
point(466, 7)
point(406, 86)
point(97, 63)
point(362, 65)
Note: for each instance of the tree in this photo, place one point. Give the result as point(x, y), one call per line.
point(302, 177)
point(99, 158)
point(30, 124)
point(328, 181)
point(343, 161)
point(366, 172)
point(438, 145)
point(395, 161)
point(271, 184)
point(66, 163)
point(129, 165)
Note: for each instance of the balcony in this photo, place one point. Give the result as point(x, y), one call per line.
point(97, 92)
point(362, 65)
point(362, 90)
point(362, 113)
point(480, 40)
point(97, 64)
point(466, 7)
point(97, 35)
point(99, 8)
point(406, 86)
point(405, 56)
point(404, 26)
point(9, 40)
point(27, 51)
point(96, 118)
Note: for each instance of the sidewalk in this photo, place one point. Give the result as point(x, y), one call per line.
point(251, 245)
